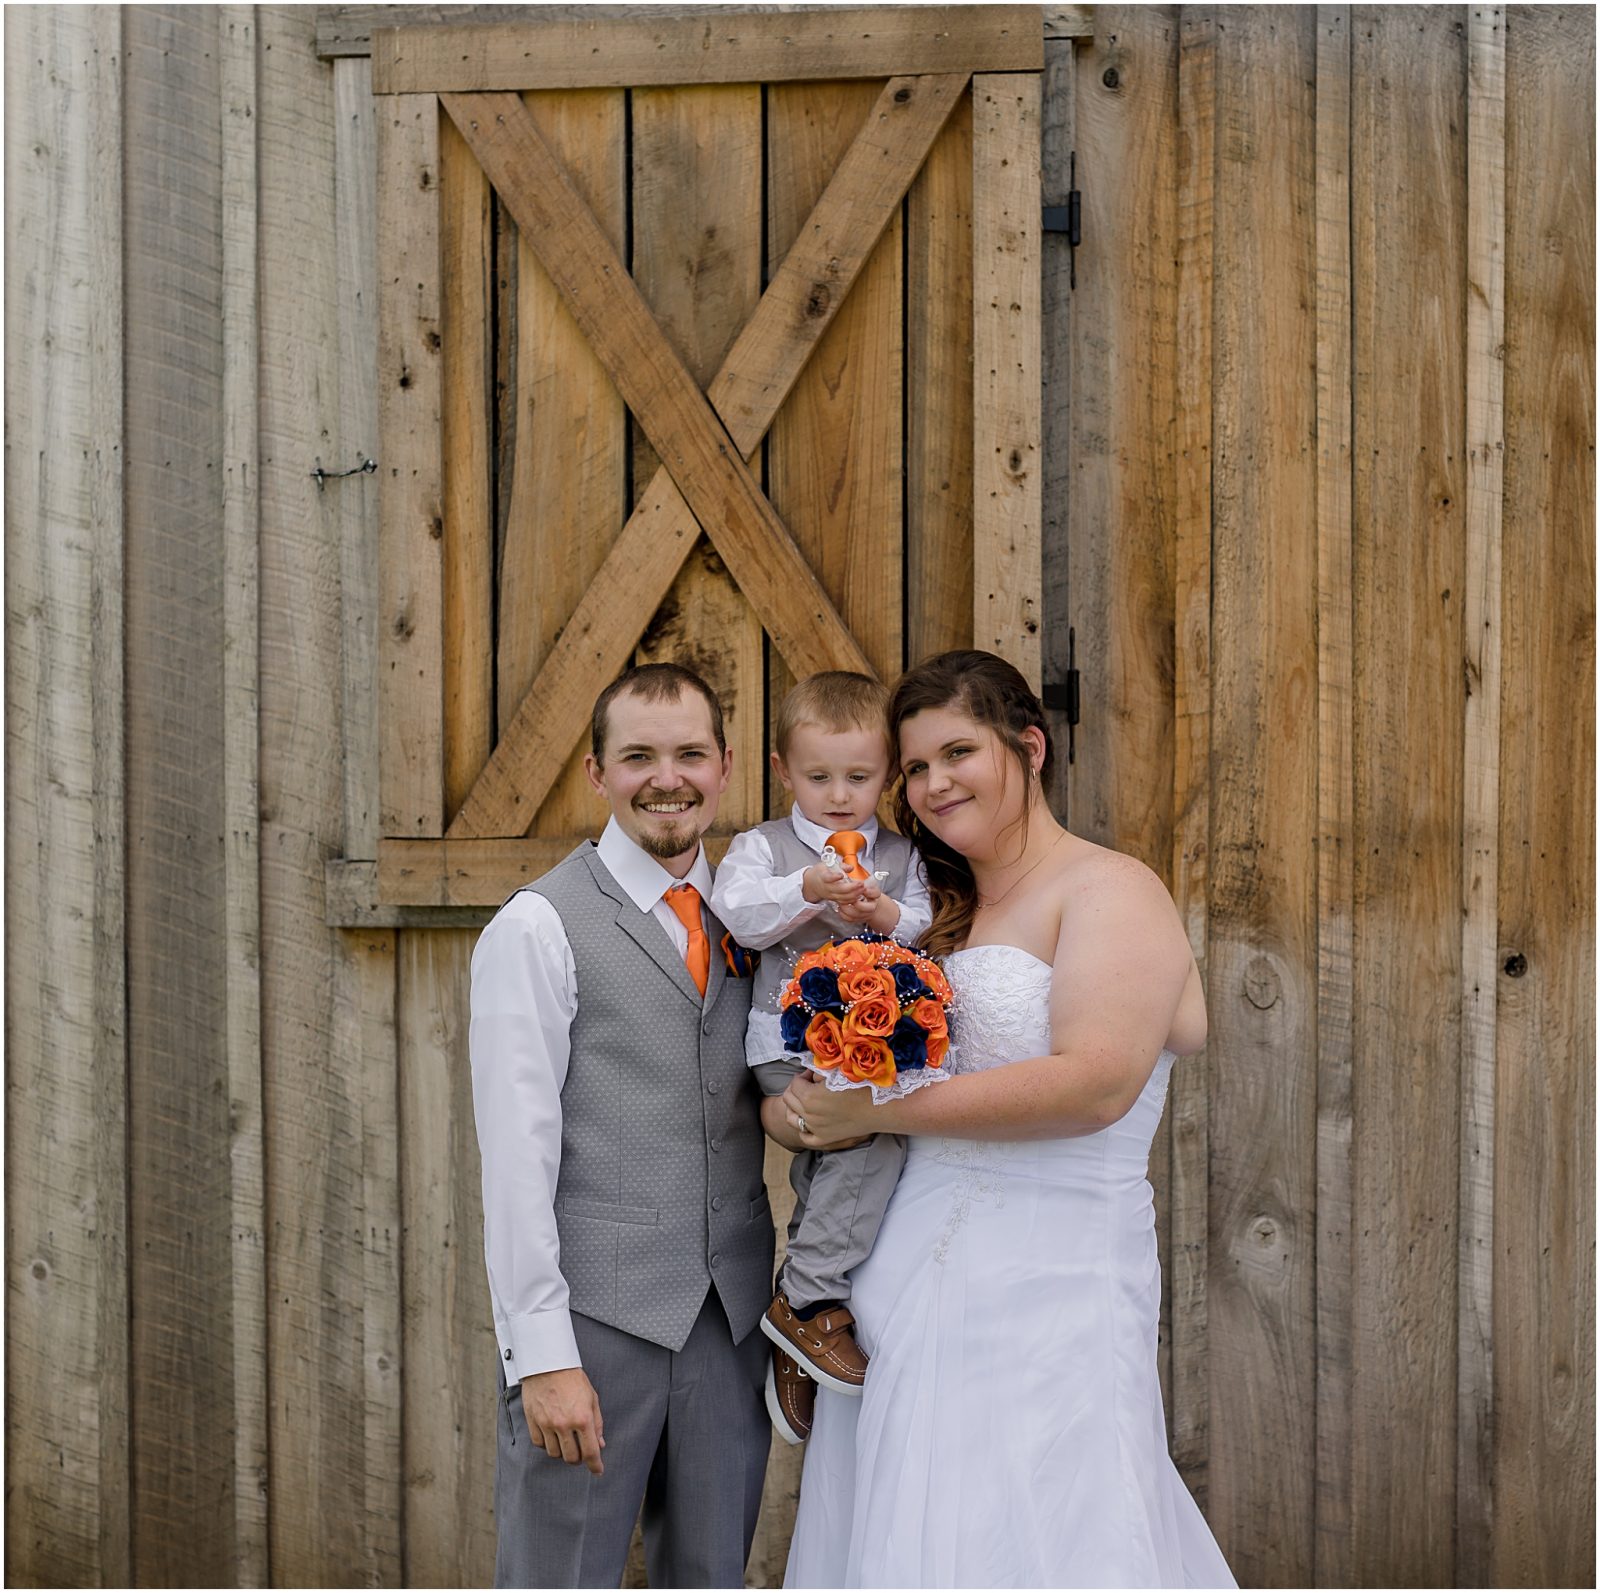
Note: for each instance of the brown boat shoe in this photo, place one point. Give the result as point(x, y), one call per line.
point(825, 1346)
point(791, 1398)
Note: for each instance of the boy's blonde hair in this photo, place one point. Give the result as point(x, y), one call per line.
point(836, 700)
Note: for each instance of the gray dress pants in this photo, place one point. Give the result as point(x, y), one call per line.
point(839, 1201)
point(686, 1435)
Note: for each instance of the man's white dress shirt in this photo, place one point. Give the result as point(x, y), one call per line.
point(524, 997)
point(759, 908)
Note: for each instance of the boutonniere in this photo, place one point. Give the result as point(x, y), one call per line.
point(742, 962)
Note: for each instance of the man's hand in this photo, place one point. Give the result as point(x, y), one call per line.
point(563, 1413)
point(832, 885)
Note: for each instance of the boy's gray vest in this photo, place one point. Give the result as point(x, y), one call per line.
point(890, 852)
point(660, 1196)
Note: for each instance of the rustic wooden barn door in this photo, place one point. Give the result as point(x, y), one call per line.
point(707, 338)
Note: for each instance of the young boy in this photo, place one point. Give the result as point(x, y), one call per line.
point(773, 890)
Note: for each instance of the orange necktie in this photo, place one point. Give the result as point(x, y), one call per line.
point(684, 900)
point(850, 844)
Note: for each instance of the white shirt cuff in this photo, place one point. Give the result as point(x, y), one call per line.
point(542, 1341)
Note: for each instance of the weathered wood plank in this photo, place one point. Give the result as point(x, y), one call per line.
point(1188, 1178)
point(697, 227)
point(737, 46)
point(363, 1037)
point(1119, 792)
point(356, 182)
point(1486, 218)
point(938, 389)
point(833, 455)
point(1006, 370)
point(1262, 952)
point(466, 210)
point(323, 1513)
point(569, 447)
point(1058, 144)
point(66, 1422)
point(795, 311)
point(450, 1391)
point(410, 497)
point(241, 601)
point(661, 394)
point(471, 872)
point(1408, 191)
point(181, 1250)
point(1335, 803)
point(1544, 1280)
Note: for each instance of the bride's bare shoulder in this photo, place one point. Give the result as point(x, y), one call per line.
point(1094, 873)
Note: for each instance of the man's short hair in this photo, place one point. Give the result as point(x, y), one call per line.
point(654, 683)
point(835, 700)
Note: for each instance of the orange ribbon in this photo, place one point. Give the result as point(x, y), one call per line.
point(850, 844)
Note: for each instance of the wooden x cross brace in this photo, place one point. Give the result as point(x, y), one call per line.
point(702, 439)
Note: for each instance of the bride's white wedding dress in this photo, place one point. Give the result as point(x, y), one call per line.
point(1010, 1433)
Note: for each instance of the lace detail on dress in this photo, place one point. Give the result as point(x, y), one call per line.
point(1001, 1013)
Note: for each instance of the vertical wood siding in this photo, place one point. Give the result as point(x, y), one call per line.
point(67, 1422)
point(1333, 604)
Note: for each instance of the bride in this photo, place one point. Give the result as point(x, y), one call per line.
point(1010, 1432)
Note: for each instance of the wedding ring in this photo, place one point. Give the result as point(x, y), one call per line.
point(800, 1123)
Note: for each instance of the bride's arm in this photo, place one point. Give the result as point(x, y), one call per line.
point(1121, 965)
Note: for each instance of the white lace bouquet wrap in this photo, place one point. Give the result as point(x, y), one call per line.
point(868, 1013)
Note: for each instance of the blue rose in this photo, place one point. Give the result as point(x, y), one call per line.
point(795, 1021)
point(819, 989)
point(909, 1044)
point(907, 986)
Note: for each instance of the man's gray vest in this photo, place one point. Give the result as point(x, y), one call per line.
point(892, 853)
point(660, 1196)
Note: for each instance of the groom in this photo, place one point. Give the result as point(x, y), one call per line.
point(626, 1226)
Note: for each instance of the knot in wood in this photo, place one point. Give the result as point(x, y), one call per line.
point(901, 95)
point(1516, 965)
point(818, 300)
point(1262, 986)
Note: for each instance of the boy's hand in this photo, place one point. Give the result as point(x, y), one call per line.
point(822, 884)
point(872, 909)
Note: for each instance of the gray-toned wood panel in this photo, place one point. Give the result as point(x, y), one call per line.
point(1544, 1280)
point(179, 1167)
point(66, 1416)
point(316, 1268)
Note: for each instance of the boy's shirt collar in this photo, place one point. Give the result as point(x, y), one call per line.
point(816, 837)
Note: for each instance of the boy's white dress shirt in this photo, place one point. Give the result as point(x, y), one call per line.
point(524, 997)
point(760, 908)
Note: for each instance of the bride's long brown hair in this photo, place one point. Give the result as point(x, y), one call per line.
point(991, 693)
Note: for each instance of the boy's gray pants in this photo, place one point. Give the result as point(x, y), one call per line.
point(839, 1201)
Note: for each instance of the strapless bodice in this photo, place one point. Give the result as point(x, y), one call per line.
point(1000, 1014)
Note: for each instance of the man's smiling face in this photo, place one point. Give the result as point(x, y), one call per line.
point(662, 773)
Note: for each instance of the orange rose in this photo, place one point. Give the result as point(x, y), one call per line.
point(825, 1041)
point(872, 1019)
point(790, 994)
point(868, 1062)
point(930, 1015)
point(933, 977)
point(864, 983)
point(938, 1048)
point(892, 952)
point(852, 956)
point(812, 959)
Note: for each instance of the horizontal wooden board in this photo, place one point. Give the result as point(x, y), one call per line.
point(737, 47)
point(474, 873)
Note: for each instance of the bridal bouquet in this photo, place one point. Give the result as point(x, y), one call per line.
point(870, 1012)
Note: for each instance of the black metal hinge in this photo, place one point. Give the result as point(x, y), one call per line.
point(1062, 695)
point(1068, 218)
